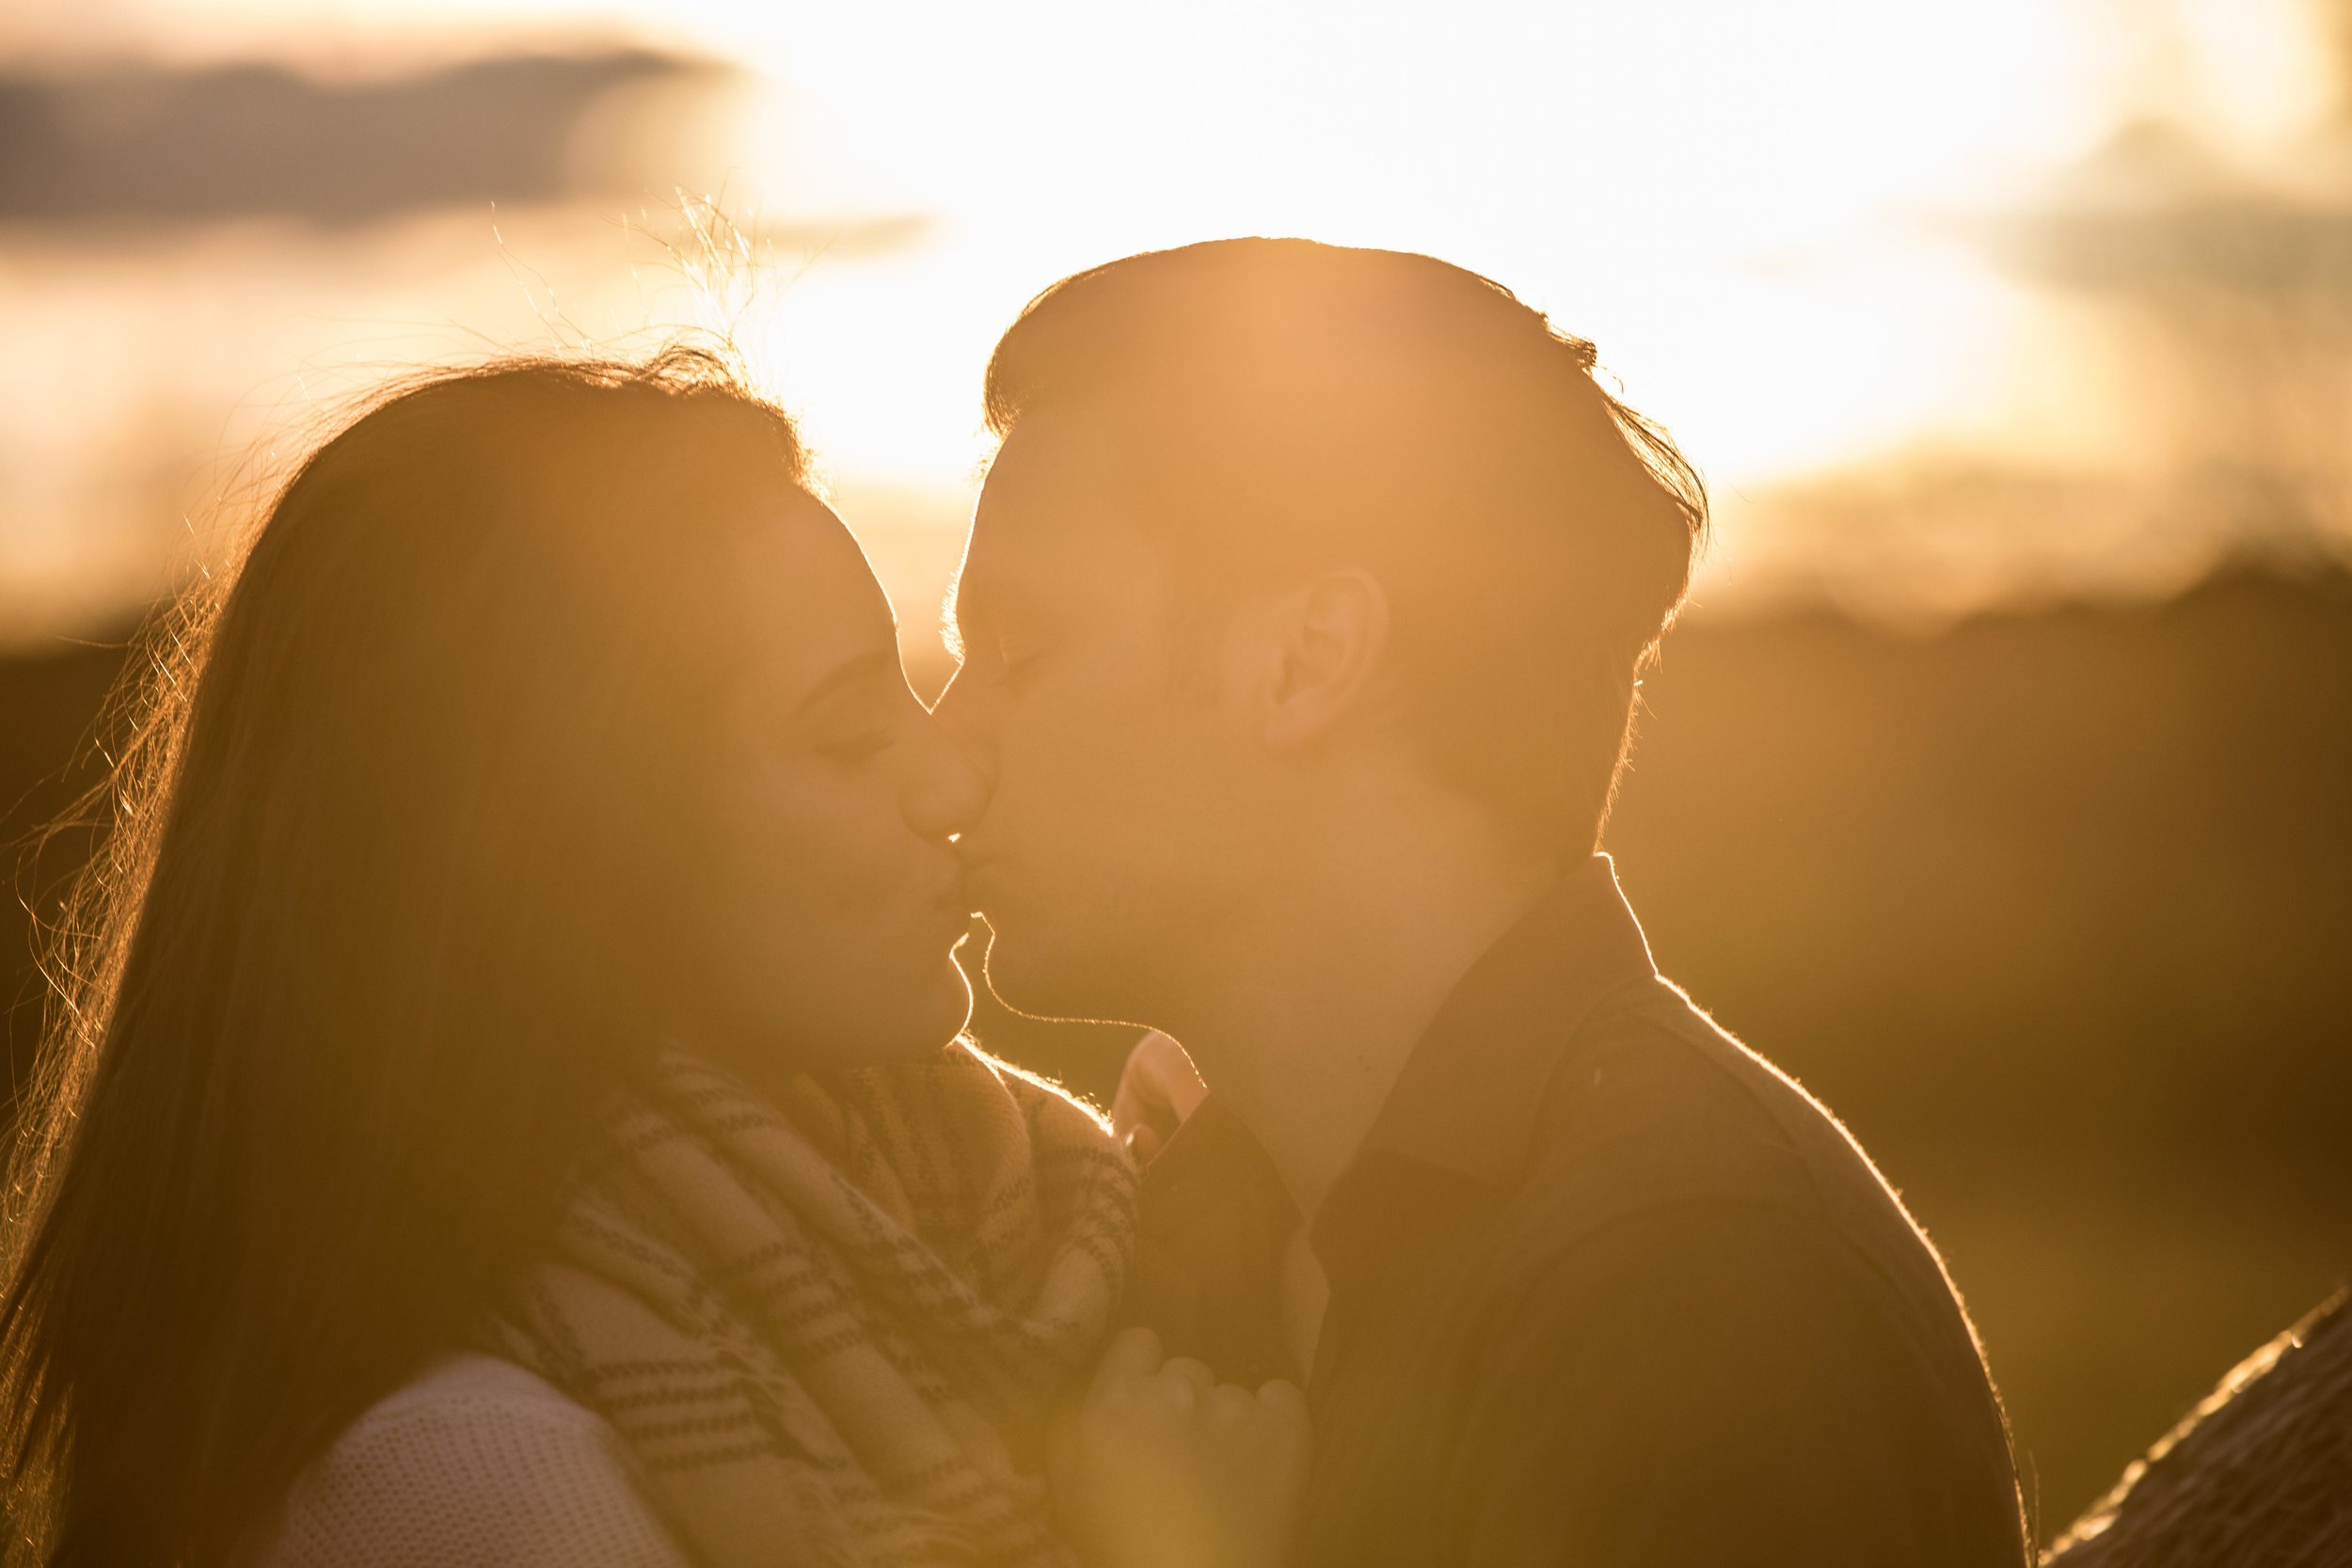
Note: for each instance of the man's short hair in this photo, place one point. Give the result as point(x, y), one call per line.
point(1281, 407)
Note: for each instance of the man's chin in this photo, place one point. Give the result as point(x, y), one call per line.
point(1023, 976)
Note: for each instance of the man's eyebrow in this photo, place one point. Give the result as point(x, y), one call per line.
point(865, 667)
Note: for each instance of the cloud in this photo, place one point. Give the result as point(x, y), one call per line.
point(158, 145)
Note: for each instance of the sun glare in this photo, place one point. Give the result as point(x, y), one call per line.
point(1761, 214)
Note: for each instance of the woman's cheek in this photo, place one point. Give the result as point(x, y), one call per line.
point(852, 852)
point(843, 862)
point(807, 937)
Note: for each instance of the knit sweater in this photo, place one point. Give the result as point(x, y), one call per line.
point(474, 1463)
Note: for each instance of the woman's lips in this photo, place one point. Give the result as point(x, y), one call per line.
point(957, 899)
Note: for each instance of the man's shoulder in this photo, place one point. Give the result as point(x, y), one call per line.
point(1692, 1210)
point(1657, 1114)
point(1651, 1096)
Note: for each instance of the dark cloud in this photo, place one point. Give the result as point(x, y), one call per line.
point(153, 144)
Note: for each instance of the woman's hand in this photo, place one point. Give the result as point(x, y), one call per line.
point(1162, 1466)
point(1158, 1089)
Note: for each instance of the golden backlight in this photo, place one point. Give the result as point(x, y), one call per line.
point(1963, 308)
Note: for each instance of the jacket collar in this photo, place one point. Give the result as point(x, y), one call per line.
point(1468, 1096)
point(1458, 1129)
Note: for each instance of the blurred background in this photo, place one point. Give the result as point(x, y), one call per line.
point(1999, 783)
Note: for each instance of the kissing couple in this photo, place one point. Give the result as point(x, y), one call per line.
point(507, 1103)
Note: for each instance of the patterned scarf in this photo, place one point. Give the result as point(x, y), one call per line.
point(830, 1330)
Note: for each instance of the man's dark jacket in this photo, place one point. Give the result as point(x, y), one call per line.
point(1606, 1289)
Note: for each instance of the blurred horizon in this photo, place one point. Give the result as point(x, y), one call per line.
point(2021, 303)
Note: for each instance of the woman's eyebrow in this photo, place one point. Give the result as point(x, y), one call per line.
point(867, 666)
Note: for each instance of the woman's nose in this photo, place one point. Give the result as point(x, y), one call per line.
point(950, 788)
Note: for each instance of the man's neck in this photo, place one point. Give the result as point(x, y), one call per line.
point(1304, 1013)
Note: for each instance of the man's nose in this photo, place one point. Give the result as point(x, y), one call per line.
point(951, 789)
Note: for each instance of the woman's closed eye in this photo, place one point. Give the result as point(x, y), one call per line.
point(856, 745)
point(856, 712)
point(850, 725)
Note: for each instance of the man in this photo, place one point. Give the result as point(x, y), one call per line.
point(1300, 620)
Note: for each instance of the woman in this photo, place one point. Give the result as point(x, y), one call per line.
point(499, 1111)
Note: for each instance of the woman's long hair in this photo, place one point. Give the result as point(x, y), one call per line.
point(398, 850)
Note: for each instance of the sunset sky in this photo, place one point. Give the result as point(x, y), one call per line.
point(1773, 221)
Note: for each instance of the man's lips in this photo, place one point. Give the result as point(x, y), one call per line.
point(955, 892)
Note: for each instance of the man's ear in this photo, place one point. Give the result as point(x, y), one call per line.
point(1319, 652)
